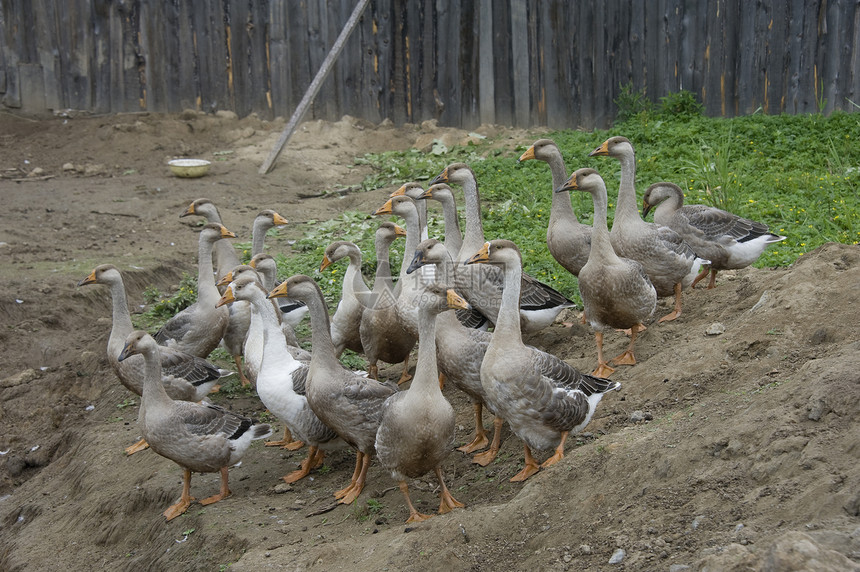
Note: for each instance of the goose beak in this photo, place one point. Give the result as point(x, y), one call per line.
point(603, 150)
point(226, 298)
point(417, 262)
point(399, 230)
point(127, 351)
point(90, 279)
point(226, 233)
point(279, 220)
point(226, 279)
point(428, 194)
point(569, 185)
point(384, 209)
point(529, 154)
point(398, 192)
point(326, 262)
point(441, 177)
point(646, 208)
point(280, 291)
point(252, 263)
point(482, 255)
point(456, 302)
point(189, 211)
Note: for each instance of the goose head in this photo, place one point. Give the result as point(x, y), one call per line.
point(436, 298)
point(413, 190)
point(613, 147)
point(458, 173)
point(659, 192)
point(541, 150)
point(400, 205)
point(137, 343)
point(430, 251)
point(102, 274)
point(299, 287)
point(585, 179)
point(240, 270)
point(204, 208)
point(497, 251)
point(240, 288)
point(337, 250)
point(268, 218)
point(440, 192)
point(213, 232)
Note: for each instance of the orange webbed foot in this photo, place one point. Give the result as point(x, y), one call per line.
point(527, 471)
point(417, 517)
point(137, 447)
point(447, 503)
point(670, 316)
point(603, 370)
point(627, 358)
point(177, 509)
point(486, 457)
point(479, 442)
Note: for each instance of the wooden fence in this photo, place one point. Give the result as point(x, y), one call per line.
point(465, 62)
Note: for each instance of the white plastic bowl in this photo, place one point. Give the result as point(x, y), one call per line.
point(189, 168)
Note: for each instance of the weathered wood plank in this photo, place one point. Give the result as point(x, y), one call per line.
point(486, 75)
point(520, 62)
point(504, 88)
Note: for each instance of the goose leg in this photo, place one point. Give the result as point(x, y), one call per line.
point(559, 452)
point(441, 381)
point(531, 467)
point(184, 501)
point(603, 369)
point(343, 492)
point(245, 381)
point(447, 503)
point(225, 490)
point(372, 370)
point(480, 441)
point(314, 456)
point(139, 446)
point(414, 515)
point(286, 442)
point(702, 274)
point(677, 310)
point(405, 376)
point(713, 282)
point(627, 358)
point(358, 486)
point(487, 456)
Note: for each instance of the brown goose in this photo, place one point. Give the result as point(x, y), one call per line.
point(541, 408)
point(383, 335)
point(281, 380)
point(616, 291)
point(344, 400)
point(568, 240)
point(670, 263)
point(204, 438)
point(198, 329)
point(727, 240)
point(346, 321)
point(184, 376)
point(482, 286)
point(416, 431)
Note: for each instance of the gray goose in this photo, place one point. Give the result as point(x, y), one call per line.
point(414, 191)
point(482, 286)
point(542, 408)
point(346, 321)
point(184, 376)
point(226, 257)
point(416, 430)
point(204, 438)
point(345, 401)
point(568, 240)
point(616, 291)
point(198, 329)
point(669, 262)
point(445, 195)
point(292, 311)
point(384, 336)
point(281, 380)
point(727, 240)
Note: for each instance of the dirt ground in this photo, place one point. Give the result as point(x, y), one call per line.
point(733, 445)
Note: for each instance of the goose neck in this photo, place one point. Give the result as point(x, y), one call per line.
point(206, 289)
point(473, 237)
point(627, 187)
point(562, 208)
point(508, 322)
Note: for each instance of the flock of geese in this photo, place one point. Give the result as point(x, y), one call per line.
point(447, 294)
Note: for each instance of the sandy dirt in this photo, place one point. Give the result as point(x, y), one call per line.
point(731, 450)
